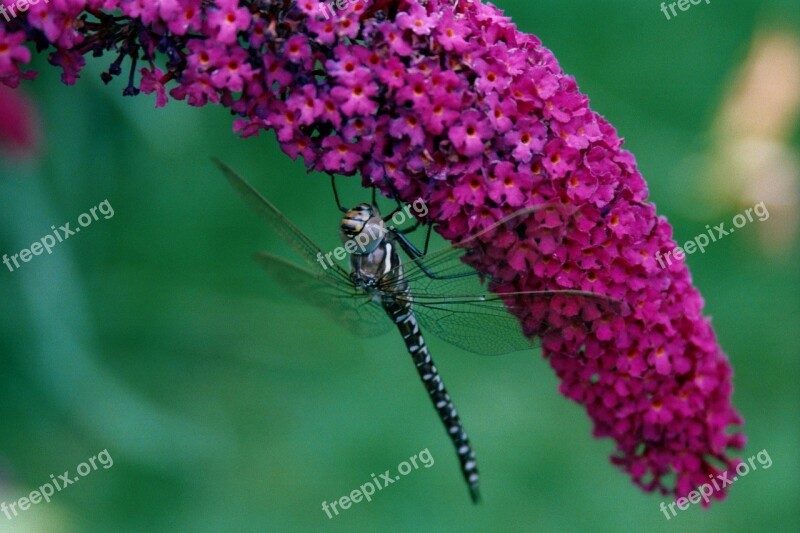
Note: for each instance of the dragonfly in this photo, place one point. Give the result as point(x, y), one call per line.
point(438, 292)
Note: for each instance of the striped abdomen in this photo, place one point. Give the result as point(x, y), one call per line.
point(402, 315)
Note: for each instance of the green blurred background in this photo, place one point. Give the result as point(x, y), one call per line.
point(228, 406)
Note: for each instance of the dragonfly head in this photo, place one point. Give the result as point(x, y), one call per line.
point(364, 226)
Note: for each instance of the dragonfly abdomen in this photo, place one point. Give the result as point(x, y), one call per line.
point(403, 316)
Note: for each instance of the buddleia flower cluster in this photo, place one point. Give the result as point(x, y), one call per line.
point(449, 102)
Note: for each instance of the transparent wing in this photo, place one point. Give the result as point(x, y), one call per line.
point(338, 301)
point(453, 303)
point(476, 326)
point(293, 235)
point(447, 262)
point(328, 289)
point(490, 324)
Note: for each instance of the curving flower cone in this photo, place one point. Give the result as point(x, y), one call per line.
point(448, 101)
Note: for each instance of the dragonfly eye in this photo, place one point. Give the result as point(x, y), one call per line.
point(362, 229)
point(355, 219)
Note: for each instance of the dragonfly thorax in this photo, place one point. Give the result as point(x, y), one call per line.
point(366, 270)
point(378, 271)
point(362, 229)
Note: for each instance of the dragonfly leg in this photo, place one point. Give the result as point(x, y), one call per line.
point(412, 251)
point(418, 256)
point(396, 198)
point(403, 316)
point(393, 213)
point(336, 194)
point(411, 229)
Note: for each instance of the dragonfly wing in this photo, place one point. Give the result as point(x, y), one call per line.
point(338, 301)
point(293, 235)
point(475, 326)
point(489, 323)
point(448, 262)
point(452, 302)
